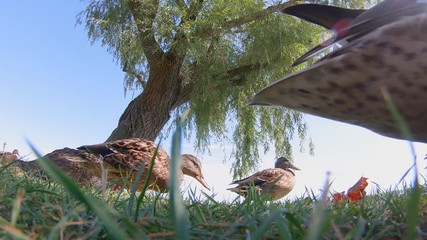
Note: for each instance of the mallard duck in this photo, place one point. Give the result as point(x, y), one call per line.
point(383, 54)
point(82, 166)
point(124, 157)
point(7, 157)
point(275, 182)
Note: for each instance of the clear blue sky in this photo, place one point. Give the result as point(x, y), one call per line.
point(59, 91)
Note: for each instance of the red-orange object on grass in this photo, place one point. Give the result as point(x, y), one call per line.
point(338, 197)
point(358, 190)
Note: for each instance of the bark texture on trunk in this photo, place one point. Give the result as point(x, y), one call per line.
point(147, 114)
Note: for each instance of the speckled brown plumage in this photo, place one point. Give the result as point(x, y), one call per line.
point(119, 159)
point(384, 48)
point(126, 156)
point(8, 157)
point(274, 182)
point(85, 168)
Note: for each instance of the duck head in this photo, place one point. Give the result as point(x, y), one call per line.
point(284, 163)
point(192, 167)
point(16, 152)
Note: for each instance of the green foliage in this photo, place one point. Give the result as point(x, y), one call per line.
point(227, 55)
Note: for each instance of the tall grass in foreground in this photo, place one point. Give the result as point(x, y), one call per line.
point(33, 208)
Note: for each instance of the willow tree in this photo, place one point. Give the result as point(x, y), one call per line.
point(209, 56)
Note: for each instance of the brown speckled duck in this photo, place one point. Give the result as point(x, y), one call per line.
point(7, 157)
point(82, 166)
point(275, 182)
point(124, 157)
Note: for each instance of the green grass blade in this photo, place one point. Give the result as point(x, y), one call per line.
point(17, 206)
point(181, 221)
point(135, 189)
point(318, 217)
point(415, 194)
point(13, 231)
point(145, 187)
point(294, 222)
point(3, 221)
point(413, 204)
point(358, 231)
point(265, 226)
point(39, 190)
point(3, 168)
point(283, 229)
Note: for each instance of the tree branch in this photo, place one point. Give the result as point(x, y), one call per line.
point(184, 95)
point(143, 13)
point(190, 15)
point(251, 17)
point(181, 3)
point(193, 10)
point(238, 76)
point(260, 14)
point(134, 74)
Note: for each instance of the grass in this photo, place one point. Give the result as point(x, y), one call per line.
point(32, 208)
point(57, 208)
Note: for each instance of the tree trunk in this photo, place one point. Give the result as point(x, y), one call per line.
point(147, 114)
point(139, 120)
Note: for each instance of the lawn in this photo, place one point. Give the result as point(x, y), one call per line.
point(56, 208)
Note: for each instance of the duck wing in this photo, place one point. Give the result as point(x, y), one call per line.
point(358, 22)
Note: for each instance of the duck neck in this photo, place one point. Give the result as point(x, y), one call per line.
point(289, 170)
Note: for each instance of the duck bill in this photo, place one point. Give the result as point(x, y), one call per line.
point(203, 182)
point(294, 167)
